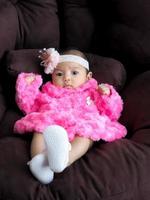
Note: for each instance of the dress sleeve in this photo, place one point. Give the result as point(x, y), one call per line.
point(110, 105)
point(27, 92)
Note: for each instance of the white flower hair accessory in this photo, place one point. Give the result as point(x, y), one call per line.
point(51, 60)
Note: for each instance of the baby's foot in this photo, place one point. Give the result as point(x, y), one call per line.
point(40, 168)
point(57, 145)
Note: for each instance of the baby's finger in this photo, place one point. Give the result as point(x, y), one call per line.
point(30, 79)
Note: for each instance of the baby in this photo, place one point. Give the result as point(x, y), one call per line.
point(66, 114)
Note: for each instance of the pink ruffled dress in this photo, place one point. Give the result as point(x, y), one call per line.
point(82, 111)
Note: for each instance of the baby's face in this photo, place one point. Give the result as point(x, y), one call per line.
point(70, 75)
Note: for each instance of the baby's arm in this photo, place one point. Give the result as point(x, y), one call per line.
point(27, 89)
point(108, 101)
point(79, 147)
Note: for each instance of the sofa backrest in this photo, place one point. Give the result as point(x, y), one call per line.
point(118, 29)
point(28, 24)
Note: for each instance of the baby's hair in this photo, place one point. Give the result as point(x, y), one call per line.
point(74, 52)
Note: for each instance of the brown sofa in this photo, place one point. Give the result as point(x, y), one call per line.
point(115, 37)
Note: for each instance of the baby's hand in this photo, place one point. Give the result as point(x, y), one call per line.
point(103, 89)
point(29, 79)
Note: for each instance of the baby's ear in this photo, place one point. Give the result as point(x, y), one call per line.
point(89, 75)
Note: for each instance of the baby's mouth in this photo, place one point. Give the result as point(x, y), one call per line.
point(68, 86)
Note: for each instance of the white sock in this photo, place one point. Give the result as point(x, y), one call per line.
point(57, 145)
point(40, 168)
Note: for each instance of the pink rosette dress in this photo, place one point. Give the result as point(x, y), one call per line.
point(82, 111)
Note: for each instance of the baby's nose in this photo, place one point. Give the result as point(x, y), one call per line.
point(67, 78)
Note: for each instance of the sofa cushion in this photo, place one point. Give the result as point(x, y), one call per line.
point(9, 26)
point(125, 33)
point(107, 171)
point(136, 111)
point(38, 24)
point(107, 70)
point(28, 24)
point(23, 60)
point(2, 104)
point(7, 122)
point(78, 24)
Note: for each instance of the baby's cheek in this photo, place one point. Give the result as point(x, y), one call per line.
point(57, 81)
point(80, 81)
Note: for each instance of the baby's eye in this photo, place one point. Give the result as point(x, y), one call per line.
point(75, 72)
point(59, 74)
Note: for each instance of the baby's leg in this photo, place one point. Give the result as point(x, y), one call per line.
point(57, 147)
point(39, 163)
point(37, 144)
point(60, 155)
point(79, 146)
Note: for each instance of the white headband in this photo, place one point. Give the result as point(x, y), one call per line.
point(74, 58)
point(50, 63)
